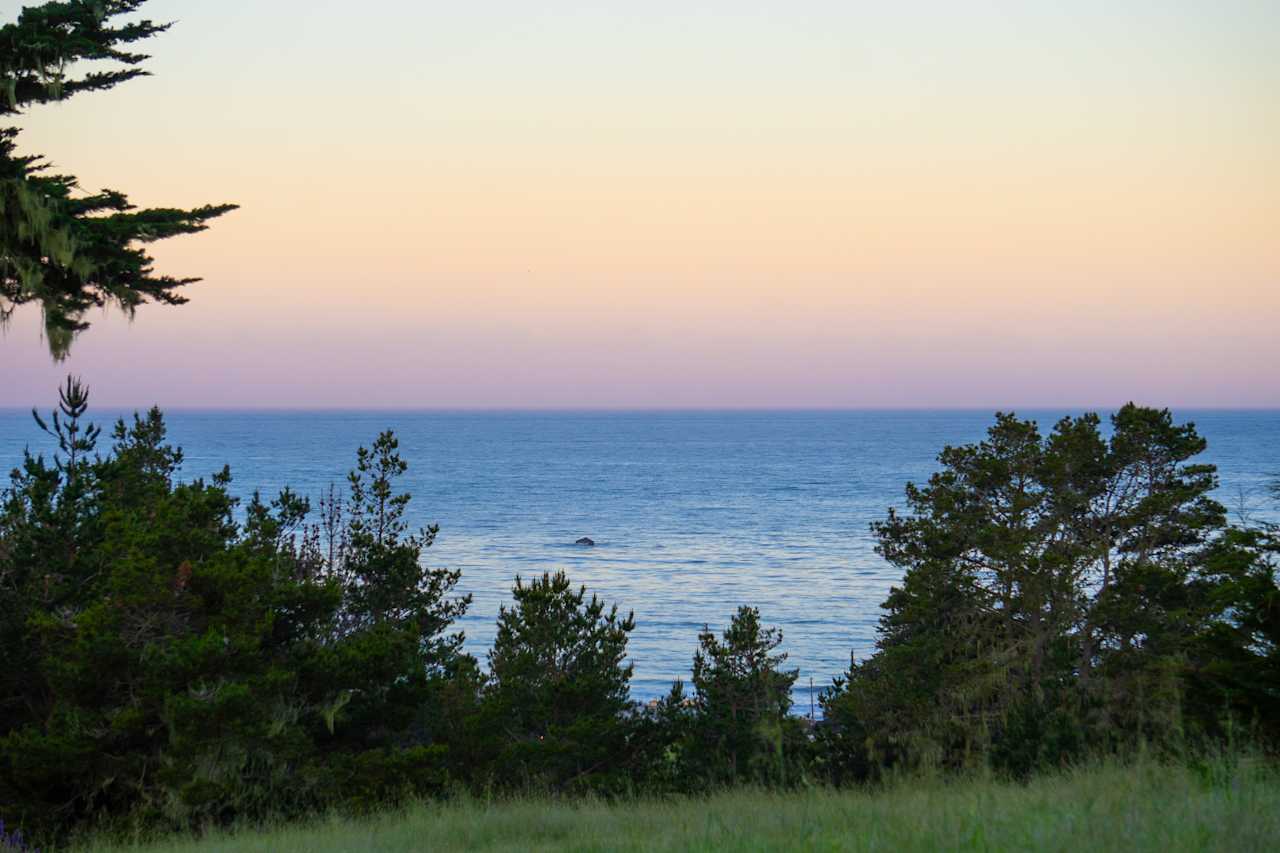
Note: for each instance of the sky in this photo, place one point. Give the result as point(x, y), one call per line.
point(690, 205)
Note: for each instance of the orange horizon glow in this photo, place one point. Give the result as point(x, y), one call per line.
point(746, 205)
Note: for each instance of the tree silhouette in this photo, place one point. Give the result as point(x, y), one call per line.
point(60, 247)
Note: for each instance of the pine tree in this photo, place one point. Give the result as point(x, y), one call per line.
point(60, 247)
point(173, 667)
point(742, 731)
point(1056, 596)
point(556, 708)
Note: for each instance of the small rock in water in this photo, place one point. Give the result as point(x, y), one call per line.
point(585, 540)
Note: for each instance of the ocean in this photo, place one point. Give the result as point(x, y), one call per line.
point(692, 513)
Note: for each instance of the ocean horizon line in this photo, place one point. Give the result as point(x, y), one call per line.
point(641, 410)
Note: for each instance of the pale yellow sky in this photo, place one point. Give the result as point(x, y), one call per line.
point(800, 204)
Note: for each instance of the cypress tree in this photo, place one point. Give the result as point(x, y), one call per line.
point(61, 248)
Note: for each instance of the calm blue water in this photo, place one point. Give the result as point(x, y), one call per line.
point(692, 513)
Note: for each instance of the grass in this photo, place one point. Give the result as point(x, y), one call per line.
point(1140, 807)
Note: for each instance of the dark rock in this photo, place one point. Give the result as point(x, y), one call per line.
point(585, 540)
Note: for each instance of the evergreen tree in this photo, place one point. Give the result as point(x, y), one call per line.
point(1055, 590)
point(557, 705)
point(742, 730)
point(171, 665)
point(390, 659)
point(60, 247)
point(1233, 661)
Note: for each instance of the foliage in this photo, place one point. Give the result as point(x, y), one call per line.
point(60, 247)
point(1234, 663)
point(179, 661)
point(741, 730)
point(396, 656)
point(171, 666)
point(661, 740)
point(555, 707)
point(1059, 593)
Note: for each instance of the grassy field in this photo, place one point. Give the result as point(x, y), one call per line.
point(1145, 807)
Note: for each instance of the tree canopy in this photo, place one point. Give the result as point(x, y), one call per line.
point(742, 698)
point(180, 659)
point(61, 247)
point(558, 687)
point(175, 661)
point(1061, 593)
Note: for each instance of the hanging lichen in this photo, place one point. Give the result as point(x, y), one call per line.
point(63, 249)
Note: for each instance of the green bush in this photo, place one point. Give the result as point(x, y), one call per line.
point(172, 666)
point(555, 711)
